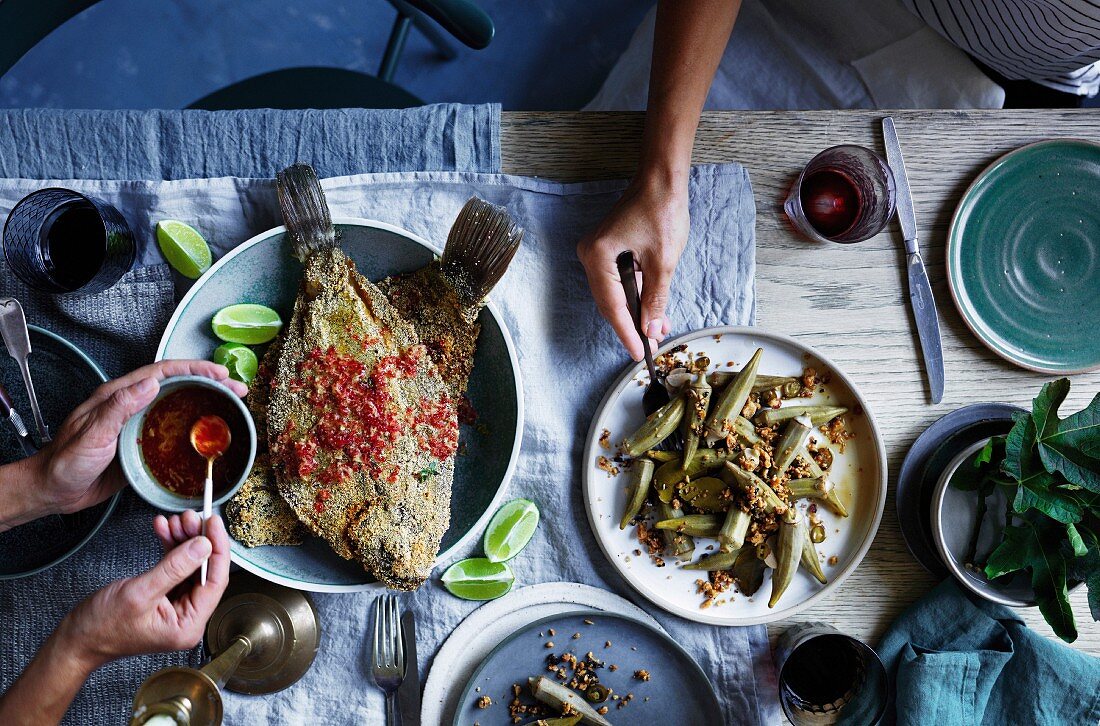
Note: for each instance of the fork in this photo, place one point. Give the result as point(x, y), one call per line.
point(656, 394)
point(388, 655)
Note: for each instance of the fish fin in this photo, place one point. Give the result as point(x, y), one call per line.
point(305, 210)
point(481, 243)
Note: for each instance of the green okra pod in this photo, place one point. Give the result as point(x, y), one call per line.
point(746, 431)
point(696, 401)
point(731, 399)
point(660, 456)
point(748, 569)
point(641, 475)
point(818, 415)
point(791, 443)
point(788, 553)
point(671, 473)
point(751, 483)
point(714, 562)
point(810, 561)
point(559, 696)
point(695, 525)
point(734, 528)
point(821, 489)
point(657, 428)
point(787, 386)
point(681, 544)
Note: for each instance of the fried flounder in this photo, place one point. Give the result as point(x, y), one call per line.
point(443, 299)
point(361, 427)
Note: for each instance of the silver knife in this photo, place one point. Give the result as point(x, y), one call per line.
point(920, 290)
point(13, 328)
point(408, 693)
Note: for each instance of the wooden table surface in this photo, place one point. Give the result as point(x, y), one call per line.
point(848, 301)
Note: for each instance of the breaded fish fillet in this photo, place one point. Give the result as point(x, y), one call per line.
point(257, 515)
point(443, 299)
point(361, 428)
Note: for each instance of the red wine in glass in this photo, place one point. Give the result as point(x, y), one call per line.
point(74, 247)
point(831, 201)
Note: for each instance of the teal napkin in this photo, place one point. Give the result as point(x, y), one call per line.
point(957, 659)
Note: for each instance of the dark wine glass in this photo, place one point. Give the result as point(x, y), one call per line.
point(60, 241)
point(845, 194)
point(827, 677)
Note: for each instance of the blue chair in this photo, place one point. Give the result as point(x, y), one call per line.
point(26, 22)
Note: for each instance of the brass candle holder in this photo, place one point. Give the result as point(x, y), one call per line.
point(265, 637)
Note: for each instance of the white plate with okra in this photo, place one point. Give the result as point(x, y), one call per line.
point(754, 492)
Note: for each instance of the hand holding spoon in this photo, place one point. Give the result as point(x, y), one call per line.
point(210, 437)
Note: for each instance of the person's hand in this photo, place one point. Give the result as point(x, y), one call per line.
point(78, 469)
point(651, 220)
point(162, 609)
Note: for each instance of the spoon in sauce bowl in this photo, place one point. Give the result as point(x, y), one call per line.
point(210, 437)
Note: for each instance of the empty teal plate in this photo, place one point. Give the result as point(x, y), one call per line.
point(1023, 256)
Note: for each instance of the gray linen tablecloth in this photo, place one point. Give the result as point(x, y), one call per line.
point(568, 356)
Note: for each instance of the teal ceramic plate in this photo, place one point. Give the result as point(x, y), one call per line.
point(677, 690)
point(63, 378)
point(1023, 256)
point(262, 270)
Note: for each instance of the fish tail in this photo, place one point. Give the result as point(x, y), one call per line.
point(305, 210)
point(482, 241)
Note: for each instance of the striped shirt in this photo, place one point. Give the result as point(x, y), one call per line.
point(1055, 43)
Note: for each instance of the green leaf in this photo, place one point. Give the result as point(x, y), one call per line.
point(1071, 445)
point(1022, 462)
point(1055, 504)
point(1075, 541)
point(982, 474)
point(1037, 545)
point(1044, 408)
point(1086, 569)
point(985, 456)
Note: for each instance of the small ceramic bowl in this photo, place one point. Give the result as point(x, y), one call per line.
point(953, 513)
point(137, 471)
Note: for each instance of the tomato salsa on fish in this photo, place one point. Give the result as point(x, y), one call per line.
point(166, 441)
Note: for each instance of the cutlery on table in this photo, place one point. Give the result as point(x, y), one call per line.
point(210, 438)
point(17, 339)
point(408, 695)
point(388, 653)
point(920, 290)
point(656, 394)
point(8, 411)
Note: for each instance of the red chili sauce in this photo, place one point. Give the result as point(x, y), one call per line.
point(166, 441)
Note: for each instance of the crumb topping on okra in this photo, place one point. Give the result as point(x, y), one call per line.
point(752, 451)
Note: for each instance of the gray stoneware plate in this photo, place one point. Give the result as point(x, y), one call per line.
point(859, 474)
point(678, 691)
point(63, 378)
point(262, 270)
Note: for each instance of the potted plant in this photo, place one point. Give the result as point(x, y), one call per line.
point(1035, 516)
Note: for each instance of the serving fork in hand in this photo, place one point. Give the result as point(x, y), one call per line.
point(388, 653)
point(656, 394)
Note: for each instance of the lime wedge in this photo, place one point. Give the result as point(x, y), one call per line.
point(478, 579)
point(239, 359)
point(246, 323)
point(510, 529)
point(184, 248)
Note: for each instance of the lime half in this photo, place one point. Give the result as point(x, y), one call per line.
point(239, 359)
point(184, 248)
point(510, 529)
point(246, 323)
point(478, 579)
